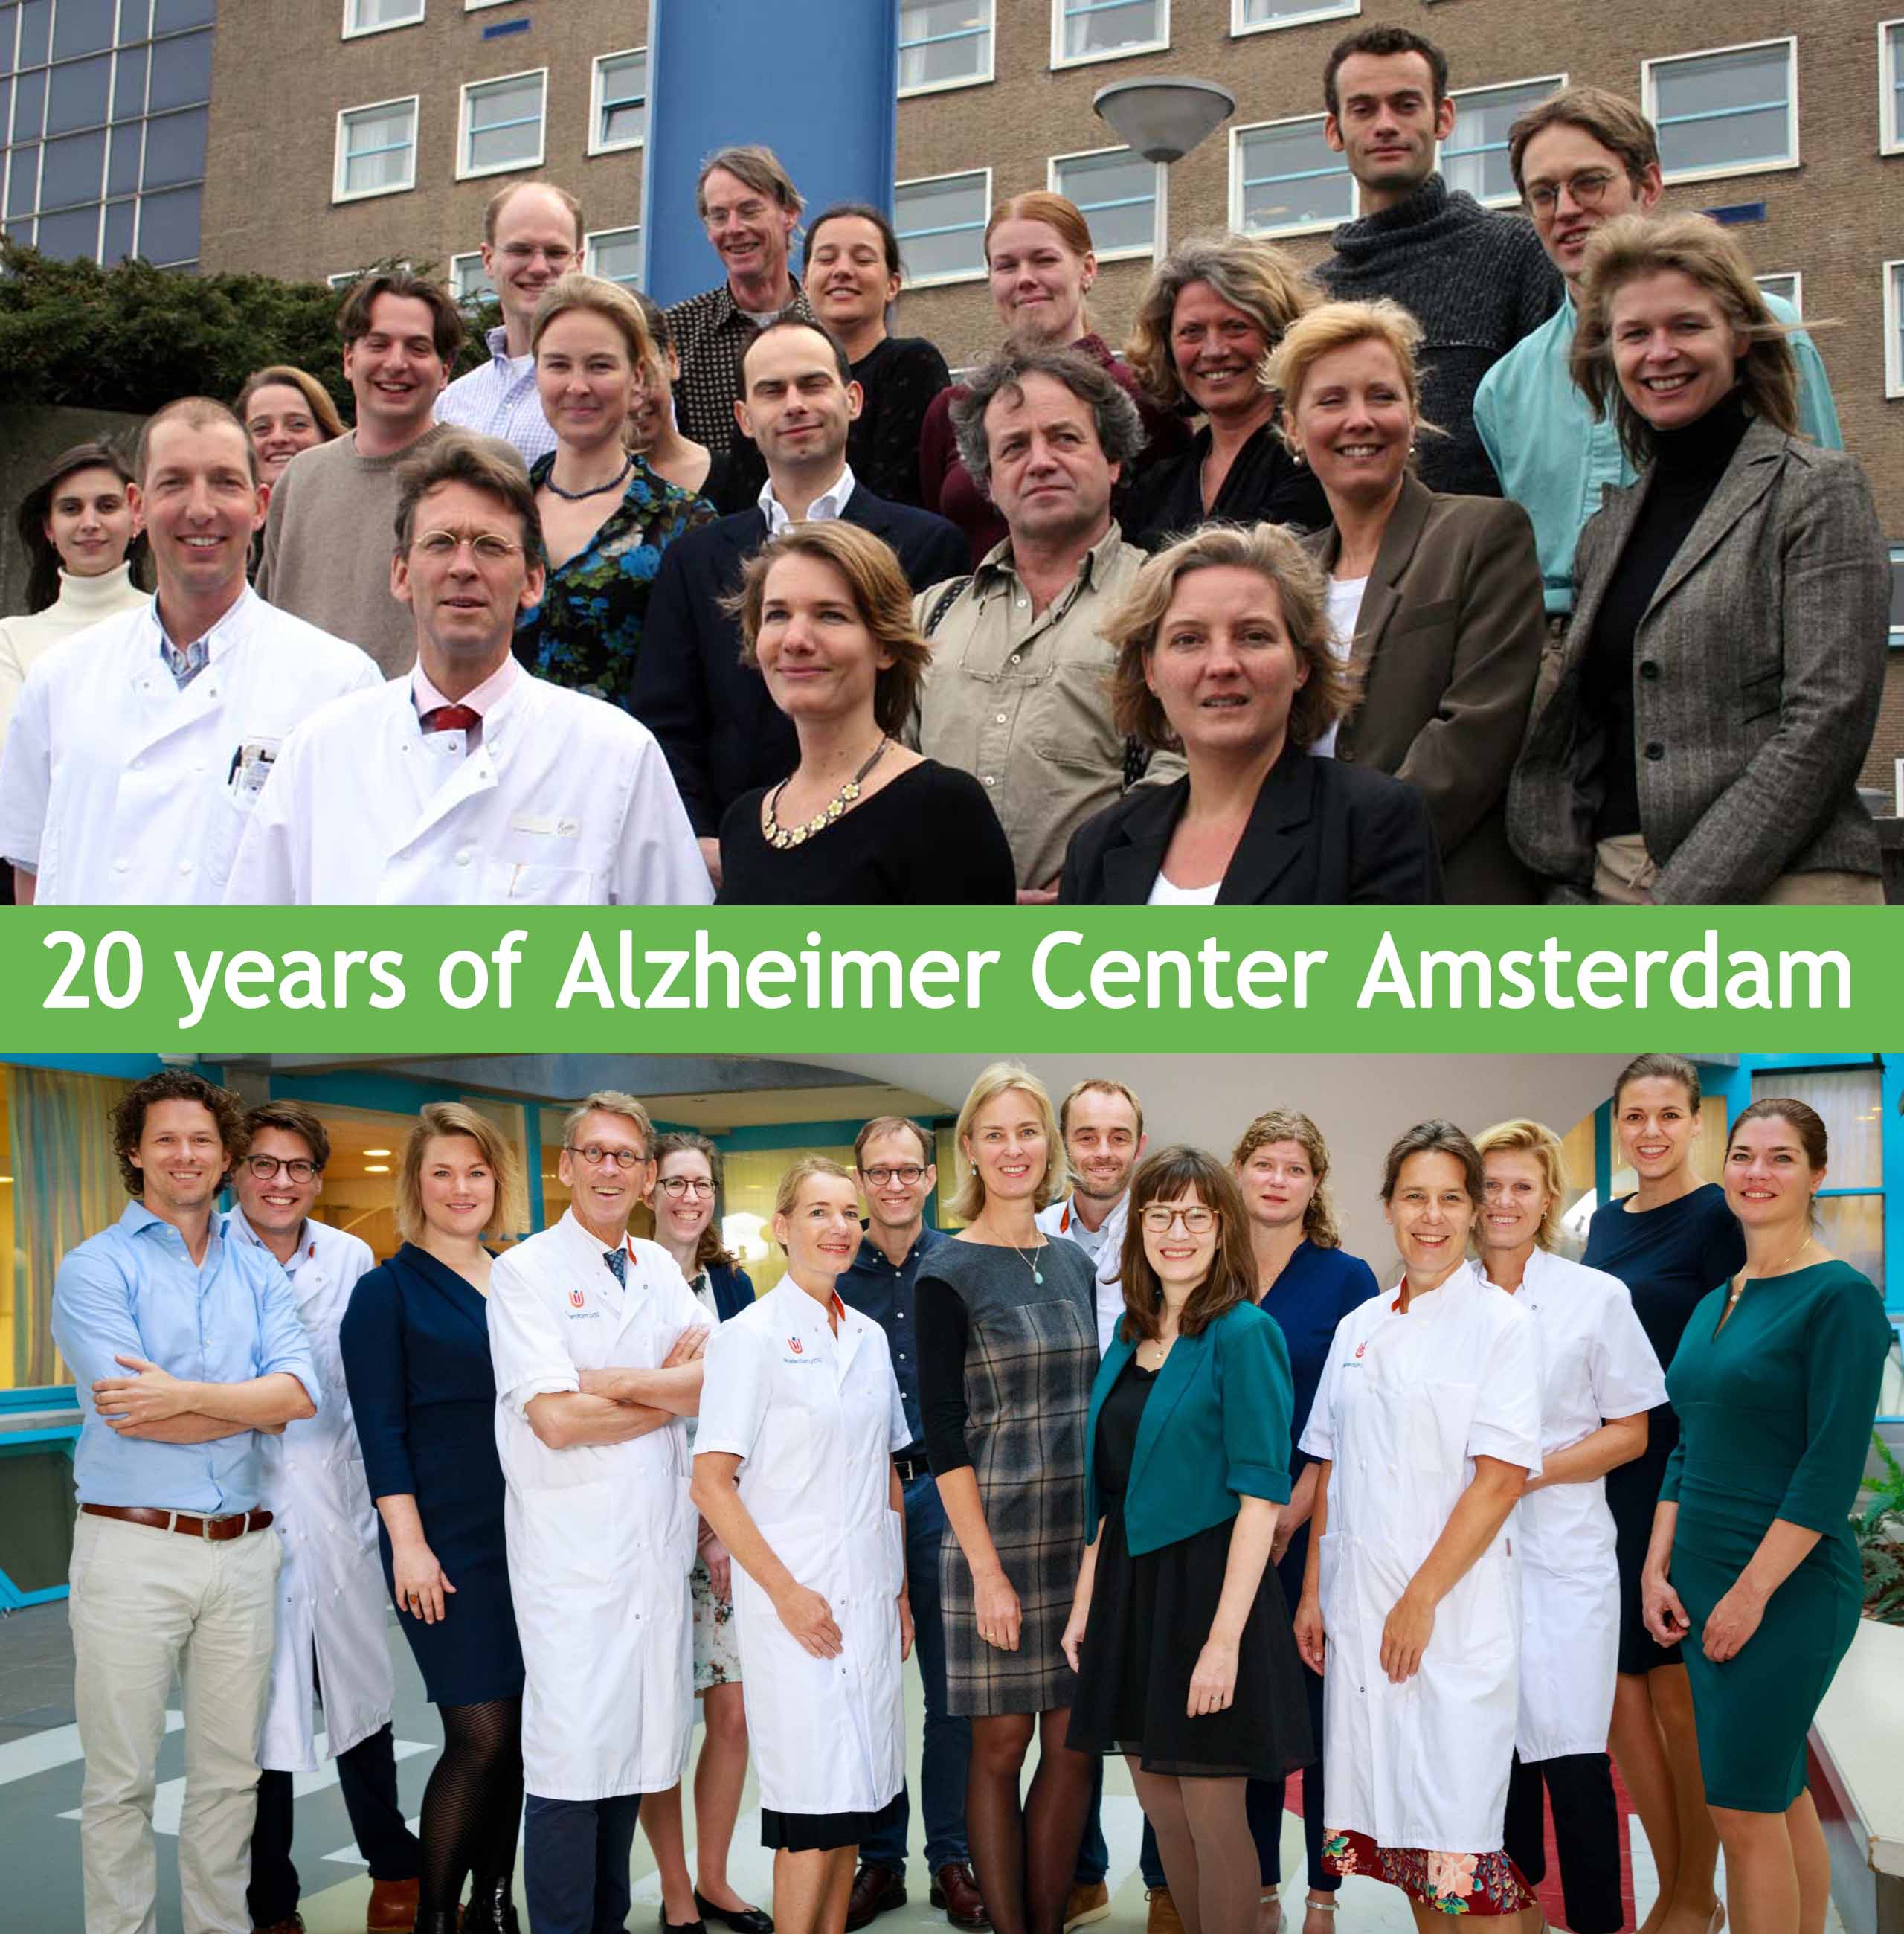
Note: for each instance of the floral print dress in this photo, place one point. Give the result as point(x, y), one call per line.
point(1478, 1883)
point(585, 634)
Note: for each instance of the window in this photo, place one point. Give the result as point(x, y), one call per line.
point(615, 254)
point(1474, 157)
point(1091, 30)
point(373, 17)
point(1257, 16)
point(617, 112)
point(941, 222)
point(1894, 329)
point(345, 278)
point(944, 44)
point(469, 281)
point(1897, 598)
point(1116, 189)
point(1285, 179)
point(1732, 111)
point(1891, 86)
point(502, 124)
point(1850, 1205)
point(376, 150)
point(1787, 288)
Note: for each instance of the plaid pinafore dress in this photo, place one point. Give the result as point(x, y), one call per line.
point(1031, 1358)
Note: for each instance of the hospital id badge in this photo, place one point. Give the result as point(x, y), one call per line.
point(251, 766)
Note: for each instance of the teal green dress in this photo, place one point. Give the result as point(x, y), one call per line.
point(1776, 1409)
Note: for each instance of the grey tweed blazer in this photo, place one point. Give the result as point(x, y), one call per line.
point(1758, 668)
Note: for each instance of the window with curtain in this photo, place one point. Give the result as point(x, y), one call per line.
point(1851, 1205)
point(1116, 188)
point(943, 43)
point(1087, 30)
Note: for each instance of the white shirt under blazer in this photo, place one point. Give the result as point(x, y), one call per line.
point(600, 1536)
point(1407, 1403)
point(565, 801)
point(117, 787)
point(815, 1418)
point(332, 1603)
point(1595, 1362)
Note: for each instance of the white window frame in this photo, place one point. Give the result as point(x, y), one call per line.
point(464, 171)
point(597, 146)
point(1059, 58)
point(1149, 249)
point(1894, 637)
point(1321, 10)
point(345, 278)
point(969, 80)
point(467, 255)
point(596, 236)
point(1890, 121)
point(339, 159)
point(1236, 183)
point(1795, 277)
point(982, 272)
point(1552, 83)
point(1649, 104)
point(351, 33)
point(1893, 321)
point(473, 6)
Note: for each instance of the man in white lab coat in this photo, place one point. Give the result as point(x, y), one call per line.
point(332, 1605)
point(141, 746)
point(469, 782)
point(596, 1340)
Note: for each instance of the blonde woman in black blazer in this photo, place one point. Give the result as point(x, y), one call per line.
point(1720, 680)
point(1448, 623)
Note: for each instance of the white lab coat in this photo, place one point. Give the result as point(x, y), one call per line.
point(565, 801)
point(815, 1418)
point(600, 1537)
point(1595, 1362)
point(332, 1603)
point(1406, 1404)
point(118, 788)
point(1059, 1220)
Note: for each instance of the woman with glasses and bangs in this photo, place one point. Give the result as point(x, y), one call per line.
point(1186, 1664)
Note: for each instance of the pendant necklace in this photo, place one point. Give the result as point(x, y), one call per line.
point(614, 483)
point(1772, 1271)
point(782, 837)
point(1037, 1275)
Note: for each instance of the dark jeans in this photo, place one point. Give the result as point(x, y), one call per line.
point(947, 1748)
point(367, 1777)
point(575, 1863)
point(1093, 1856)
point(1586, 1835)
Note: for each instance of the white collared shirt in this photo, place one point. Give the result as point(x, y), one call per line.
point(482, 700)
point(499, 398)
point(830, 504)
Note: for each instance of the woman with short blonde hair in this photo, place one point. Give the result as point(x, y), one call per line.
point(509, 1215)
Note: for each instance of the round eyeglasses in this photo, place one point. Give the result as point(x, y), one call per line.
point(598, 1157)
point(1198, 1221)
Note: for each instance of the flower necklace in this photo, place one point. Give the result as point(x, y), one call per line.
point(614, 483)
point(782, 837)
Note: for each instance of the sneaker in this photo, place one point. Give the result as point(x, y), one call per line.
point(1089, 1901)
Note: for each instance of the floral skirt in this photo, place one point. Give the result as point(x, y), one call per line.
point(1479, 1884)
point(717, 1639)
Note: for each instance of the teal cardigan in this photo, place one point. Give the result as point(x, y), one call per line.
point(1215, 1430)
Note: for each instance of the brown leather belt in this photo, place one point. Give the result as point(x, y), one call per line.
point(217, 1529)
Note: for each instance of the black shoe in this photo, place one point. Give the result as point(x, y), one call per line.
point(437, 1920)
point(668, 1926)
point(876, 1891)
point(491, 1909)
point(742, 1920)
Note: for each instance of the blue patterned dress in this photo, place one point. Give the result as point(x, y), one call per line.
point(586, 632)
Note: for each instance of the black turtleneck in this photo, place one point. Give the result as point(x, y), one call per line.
point(1686, 466)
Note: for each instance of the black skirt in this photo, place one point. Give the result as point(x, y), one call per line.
point(813, 1832)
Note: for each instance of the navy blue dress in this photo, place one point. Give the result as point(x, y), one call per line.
point(1669, 1258)
point(416, 1348)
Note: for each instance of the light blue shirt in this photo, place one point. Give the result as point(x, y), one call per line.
point(1554, 459)
point(500, 398)
point(133, 1290)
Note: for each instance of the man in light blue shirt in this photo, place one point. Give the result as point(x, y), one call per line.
point(183, 1346)
point(1579, 158)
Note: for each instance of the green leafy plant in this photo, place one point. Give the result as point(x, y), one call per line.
point(1879, 1529)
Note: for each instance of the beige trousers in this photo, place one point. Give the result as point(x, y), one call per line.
point(146, 1603)
point(1624, 875)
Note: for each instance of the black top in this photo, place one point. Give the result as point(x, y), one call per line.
point(1669, 1258)
point(1263, 485)
point(1118, 1418)
point(930, 837)
point(900, 377)
point(1687, 466)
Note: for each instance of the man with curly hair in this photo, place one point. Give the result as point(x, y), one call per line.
point(183, 1346)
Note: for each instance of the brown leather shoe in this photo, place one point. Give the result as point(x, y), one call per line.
point(955, 1889)
point(393, 1906)
point(876, 1891)
point(1163, 1918)
point(1086, 1903)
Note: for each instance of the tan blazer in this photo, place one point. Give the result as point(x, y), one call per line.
point(1448, 645)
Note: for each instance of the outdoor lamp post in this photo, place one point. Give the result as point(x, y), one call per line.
point(1163, 120)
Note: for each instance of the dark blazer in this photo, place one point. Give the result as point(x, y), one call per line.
point(415, 1340)
point(1449, 644)
point(1320, 834)
point(722, 733)
point(1758, 667)
point(1216, 1429)
point(732, 1287)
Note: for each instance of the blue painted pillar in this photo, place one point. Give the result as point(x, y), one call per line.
point(1890, 1105)
point(816, 82)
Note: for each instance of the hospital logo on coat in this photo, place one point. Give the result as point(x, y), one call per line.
point(793, 1344)
point(577, 1299)
point(1361, 1349)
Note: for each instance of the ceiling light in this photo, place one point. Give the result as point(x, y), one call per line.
point(376, 1151)
point(376, 1168)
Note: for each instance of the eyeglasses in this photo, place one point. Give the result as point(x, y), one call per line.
point(518, 253)
point(266, 1167)
point(596, 1156)
point(1587, 189)
point(1159, 1220)
point(441, 546)
point(698, 1186)
point(909, 1173)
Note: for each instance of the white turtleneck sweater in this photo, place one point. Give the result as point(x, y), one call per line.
point(81, 602)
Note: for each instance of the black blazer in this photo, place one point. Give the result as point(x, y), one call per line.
point(723, 734)
point(1322, 833)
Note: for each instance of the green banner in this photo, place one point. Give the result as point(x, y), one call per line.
point(1328, 980)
